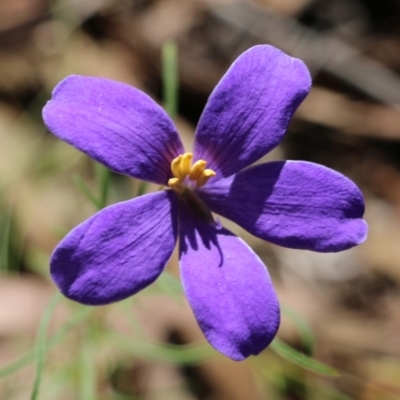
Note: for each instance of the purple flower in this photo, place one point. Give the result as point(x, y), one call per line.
point(124, 247)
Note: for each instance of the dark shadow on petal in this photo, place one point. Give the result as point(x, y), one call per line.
point(263, 192)
point(239, 191)
point(192, 229)
point(294, 204)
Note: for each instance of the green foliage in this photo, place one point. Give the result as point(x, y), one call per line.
point(170, 78)
point(103, 177)
point(5, 244)
point(83, 187)
point(87, 371)
point(302, 360)
point(81, 315)
point(303, 328)
point(41, 343)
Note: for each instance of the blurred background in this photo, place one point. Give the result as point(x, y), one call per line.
point(340, 332)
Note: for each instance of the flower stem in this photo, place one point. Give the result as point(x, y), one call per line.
point(170, 78)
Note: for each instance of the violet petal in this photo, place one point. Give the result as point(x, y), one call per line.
point(117, 252)
point(115, 124)
point(249, 110)
point(228, 288)
point(294, 204)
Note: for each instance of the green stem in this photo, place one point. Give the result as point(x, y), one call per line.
point(5, 244)
point(80, 184)
point(170, 78)
point(104, 179)
point(56, 338)
point(41, 343)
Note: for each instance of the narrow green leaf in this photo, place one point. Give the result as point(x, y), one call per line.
point(185, 354)
point(170, 285)
point(54, 339)
point(81, 185)
point(294, 356)
point(5, 242)
point(142, 188)
point(80, 316)
point(60, 231)
point(303, 327)
point(41, 343)
point(119, 396)
point(15, 366)
point(104, 180)
point(170, 78)
point(87, 372)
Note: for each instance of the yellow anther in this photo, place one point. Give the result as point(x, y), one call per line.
point(205, 176)
point(197, 169)
point(183, 172)
point(175, 184)
point(175, 167)
point(185, 164)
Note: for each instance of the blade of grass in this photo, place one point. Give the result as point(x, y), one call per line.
point(87, 372)
point(304, 361)
point(103, 178)
point(142, 188)
point(119, 396)
point(15, 366)
point(5, 243)
point(302, 326)
point(57, 337)
point(170, 285)
point(81, 185)
point(176, 354)
point(41, 343)
point(170, 78)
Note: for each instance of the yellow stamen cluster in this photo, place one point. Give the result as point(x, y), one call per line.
point(182, 168)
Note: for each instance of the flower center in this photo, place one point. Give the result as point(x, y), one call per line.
point(186, 174)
